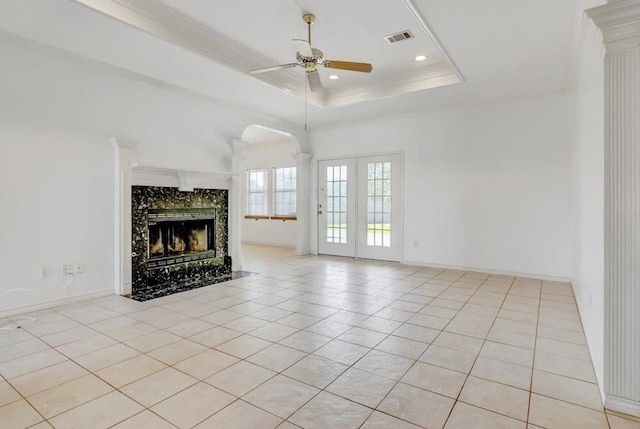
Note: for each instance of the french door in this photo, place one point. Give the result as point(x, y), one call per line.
point(360, 207)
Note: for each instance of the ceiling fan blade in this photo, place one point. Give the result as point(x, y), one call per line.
point(348, 65)
point(302, 47)
point(273, 68)
point(314, 81)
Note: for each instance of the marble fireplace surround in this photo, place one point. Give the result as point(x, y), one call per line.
point(129, 173)
point(156, 207)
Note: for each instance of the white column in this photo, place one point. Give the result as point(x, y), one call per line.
point(302, 203)
point(235, 205)
point(122, 213)
point(620, 25)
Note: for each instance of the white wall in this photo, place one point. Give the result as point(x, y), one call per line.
point(268, 232)
point(48, 216)
point(485, 187)
point(588, 188)
point(56, 167)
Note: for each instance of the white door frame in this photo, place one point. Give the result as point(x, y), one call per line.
point(344, 240)
point(320, 231)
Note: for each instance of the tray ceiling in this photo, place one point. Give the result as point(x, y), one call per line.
point(477, 51)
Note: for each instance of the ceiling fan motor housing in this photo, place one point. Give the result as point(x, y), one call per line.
point(310, 63)
point(309, 58)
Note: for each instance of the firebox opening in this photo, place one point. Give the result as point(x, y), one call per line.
point(180, 233)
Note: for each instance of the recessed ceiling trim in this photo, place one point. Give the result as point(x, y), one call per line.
point(172, 26)
point(168, 24)
point(384, 92)
point(427, 77)
point(425, 27)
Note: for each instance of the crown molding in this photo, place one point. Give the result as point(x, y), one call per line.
point(619, 23)
point(174, 27)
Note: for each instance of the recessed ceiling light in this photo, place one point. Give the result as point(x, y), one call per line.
point(420, 58)
point(333, 77)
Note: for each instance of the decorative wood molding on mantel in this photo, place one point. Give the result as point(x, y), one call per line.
point(185, 180)
point(123, 150)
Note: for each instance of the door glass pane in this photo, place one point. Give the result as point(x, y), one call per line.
point(336, 204)
point(379, 204)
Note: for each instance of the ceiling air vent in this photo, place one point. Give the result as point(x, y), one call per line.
point(398, 37)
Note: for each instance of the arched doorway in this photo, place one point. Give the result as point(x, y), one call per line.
point(267, 152)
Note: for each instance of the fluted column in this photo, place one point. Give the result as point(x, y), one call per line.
point(620, 25)
point(122, 213)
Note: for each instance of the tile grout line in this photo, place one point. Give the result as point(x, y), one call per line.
point(479, 351)
point(304, 291)
point(535, 351)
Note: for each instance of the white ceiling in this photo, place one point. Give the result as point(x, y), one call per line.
point(497, 49)
point(351, 30)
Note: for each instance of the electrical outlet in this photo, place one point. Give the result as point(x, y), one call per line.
point(44, 272)
point(79, 267)
point(68, 269)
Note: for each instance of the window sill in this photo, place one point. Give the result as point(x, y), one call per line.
point(282, 218)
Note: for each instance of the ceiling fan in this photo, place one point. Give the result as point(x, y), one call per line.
point(310, 58)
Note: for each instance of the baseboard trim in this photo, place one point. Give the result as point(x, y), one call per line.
point(260, 243)
point(55, 303)
point(597, 368)
point(622, 405)
point(489, 271)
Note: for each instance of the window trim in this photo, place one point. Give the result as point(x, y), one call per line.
point(271, 196)
point(265, 193)
point(275, 192)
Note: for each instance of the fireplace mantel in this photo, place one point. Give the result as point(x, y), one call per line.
point(185, 180)
point(128, 172)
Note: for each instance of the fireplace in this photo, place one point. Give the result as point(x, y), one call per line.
point(180, 235)
point(179, 240)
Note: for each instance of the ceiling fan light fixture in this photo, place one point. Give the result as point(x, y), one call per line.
point(420, 58)
point(310, 58)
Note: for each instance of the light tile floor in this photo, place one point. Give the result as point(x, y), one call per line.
point(310, 342)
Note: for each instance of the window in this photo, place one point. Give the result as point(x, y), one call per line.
point(271, 194)
point(258, 192)
point(284, 191)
